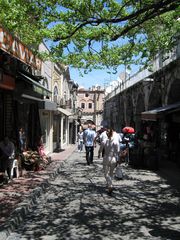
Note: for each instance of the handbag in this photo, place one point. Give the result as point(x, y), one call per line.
point(123, 153)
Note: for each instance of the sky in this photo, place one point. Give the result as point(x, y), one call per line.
point(97, 77)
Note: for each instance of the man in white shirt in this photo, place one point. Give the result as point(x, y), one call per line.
point(111, 147)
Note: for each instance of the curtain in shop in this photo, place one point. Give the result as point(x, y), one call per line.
point(34, 127)
point(16, 127)
point(1, 116)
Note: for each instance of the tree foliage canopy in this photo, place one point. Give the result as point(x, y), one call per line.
point(95, 33)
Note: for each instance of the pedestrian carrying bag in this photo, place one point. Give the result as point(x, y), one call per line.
point(118, 172)
point(123, 153)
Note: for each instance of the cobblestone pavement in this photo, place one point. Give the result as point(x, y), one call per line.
point(76, 206)
point(17, 196)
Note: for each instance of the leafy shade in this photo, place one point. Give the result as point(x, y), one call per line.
point(95, 33)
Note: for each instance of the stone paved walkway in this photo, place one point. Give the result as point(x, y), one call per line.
point(18, 190)
point(19, 194)
point(143, 206)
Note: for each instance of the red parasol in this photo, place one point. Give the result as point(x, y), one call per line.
point(128, 130)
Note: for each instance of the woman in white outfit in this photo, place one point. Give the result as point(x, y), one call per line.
point(111, 149)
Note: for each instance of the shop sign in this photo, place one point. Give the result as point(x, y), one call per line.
point(12, 45)
point(40, 90)
point(7, 81)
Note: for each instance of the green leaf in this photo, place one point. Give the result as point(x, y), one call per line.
point(94, 33)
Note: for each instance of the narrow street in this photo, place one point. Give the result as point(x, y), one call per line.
point(76, 206)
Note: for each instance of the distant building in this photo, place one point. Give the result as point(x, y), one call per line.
point(90, 103)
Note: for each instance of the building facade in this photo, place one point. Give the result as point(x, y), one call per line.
point(64, 95)
point(21, 93)
point(90, 105)
point(35, 95)
point(151, 98)
point(47, 110)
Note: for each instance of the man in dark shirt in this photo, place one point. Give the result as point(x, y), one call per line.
point(7, 153)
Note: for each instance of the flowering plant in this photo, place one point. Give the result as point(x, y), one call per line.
point(32, 160)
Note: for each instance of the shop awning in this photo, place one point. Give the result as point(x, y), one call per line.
point(31, 97)
point(155, 114)
point(64, 111)
point(44, 104)
point(37, 87)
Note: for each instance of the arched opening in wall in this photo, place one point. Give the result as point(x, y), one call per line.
point(55, 94)
point(45, 83)
point(115, 113)
point(121, 113)
point(173, 124)
point(155, 98)
point(140, 107)
point(129, 110)
point(111, 109)
point(173, 95)
point(118, 114)
point(106, 114)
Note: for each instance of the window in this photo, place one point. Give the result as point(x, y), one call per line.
point(55, 129)
point(45, 83)
point(86, 94)
point(55, 91)
point(55, 94)
point(64, 130)
point(82, 105)
point(90, 105)
point(45, 128)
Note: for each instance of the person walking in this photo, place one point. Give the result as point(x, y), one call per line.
point(89, 136)
point(80, 140)
point(22, 139)
point(110, 158)
point(103, 136)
